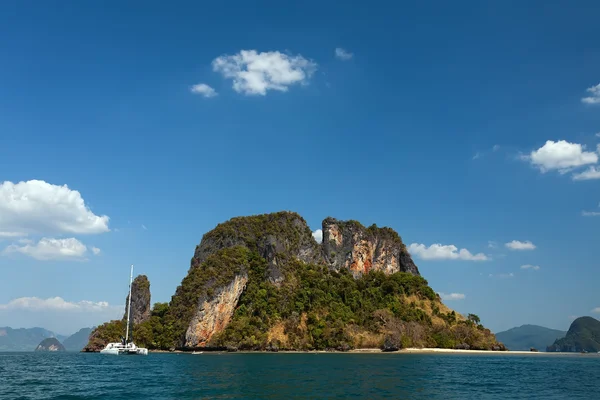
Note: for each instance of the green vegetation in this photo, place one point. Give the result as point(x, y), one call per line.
point(583, 335)
point(111, 331)
point(313, 308)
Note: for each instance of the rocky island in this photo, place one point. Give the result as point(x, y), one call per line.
point(263, 283)
point(583, 336)
point(50, 344)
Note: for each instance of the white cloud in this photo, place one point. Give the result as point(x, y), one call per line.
point(503, 276)
point(590, 213)
point(598, 134)
point(318, 235)
point(533, 267)
point(55, 304)
point(96, 250)
point(39, 207)
point(255, 73)
point(596, 310)
point(594, 97)
point(562, 156)
point(204, 90)
point(517, 245)
point(492, 244)
point(342, 54)
point(444, 252)
point(51, 249)
point(588, 174)
point(11, 234)
point(452, 296)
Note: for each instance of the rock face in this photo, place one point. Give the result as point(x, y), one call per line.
point(50, 344)
point(214, 312)
point(140, 300)
point(280, 238)
point(349, 245)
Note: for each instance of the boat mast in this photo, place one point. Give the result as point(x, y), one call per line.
point(129, 305)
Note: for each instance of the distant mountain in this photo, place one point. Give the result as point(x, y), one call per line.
point(50, 344)
point(527, 336)
point(583, 335)
point(78, 340)
point(24, 339)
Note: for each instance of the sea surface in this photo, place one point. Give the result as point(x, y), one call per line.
point(304, 375)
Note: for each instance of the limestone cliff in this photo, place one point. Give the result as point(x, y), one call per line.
point(349, 245)
point(214, 312)
point(204, 308)
point(140, 300)
point(263, 282)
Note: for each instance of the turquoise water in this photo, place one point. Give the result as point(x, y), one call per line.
point(285, 376)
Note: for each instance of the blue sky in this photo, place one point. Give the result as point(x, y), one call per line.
point(435, 120)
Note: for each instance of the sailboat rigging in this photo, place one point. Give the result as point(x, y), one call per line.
point(125, 346)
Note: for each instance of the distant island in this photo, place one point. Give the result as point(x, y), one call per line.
point(78, 340)
point(50, 344)
point(27, 339)
point(264, 283)
point(583, 336)
point(526, 337)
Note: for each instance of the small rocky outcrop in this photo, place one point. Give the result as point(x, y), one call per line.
point(140, 300)
point(214, 312)
point(349, 245)
point(50, 344)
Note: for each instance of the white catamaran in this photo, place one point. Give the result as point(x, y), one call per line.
point(125, 347)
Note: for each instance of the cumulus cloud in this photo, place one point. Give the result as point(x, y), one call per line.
point(561, 155)
point(204, 90)
point(492, 244)
point(256, 73)
point(56, 304)
point(452, 296)
point(438, 251)
point(533, 267)
point(588, 174)
point(52, 249)
point(318, 235)
point(596, 310)
point(594, 97)
point(96, 250)
point(39, 207)
point(342, 54)
point(518, 245)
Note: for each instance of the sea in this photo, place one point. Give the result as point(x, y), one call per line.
point(298, 376)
